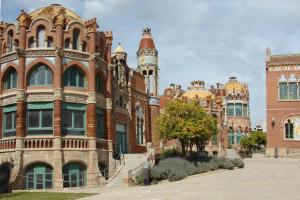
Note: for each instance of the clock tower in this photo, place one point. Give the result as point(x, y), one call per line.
point(148, 66)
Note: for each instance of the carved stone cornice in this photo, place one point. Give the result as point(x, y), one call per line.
point(9, 57)
point(20, 95)
point(110, 67)
point(59, 52)
point(33, 53)
point(91, 25)
point(108, 103)
point(91, 98)
point(20, 52)
point(60, 19)
point(2, 27)
point(109, 37)
point(24, 19)
point(57, 94)
point(95, 57)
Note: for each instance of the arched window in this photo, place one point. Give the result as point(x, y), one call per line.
point(230, 109)
point(99, 84)
point(41, 36)
point(10, 41)
point(76, 41)
point(245, 110)
point(73, 77)
point(39, 176)
point(139, 125)
point(283, 90)
point(238, 109)
point(49, 42)
point(10, 80)
point(30, 42)
point(41, 75)
point(292, 90)
point(84, 46)
point(74, 175)
point(289, 130)
point(67, 43)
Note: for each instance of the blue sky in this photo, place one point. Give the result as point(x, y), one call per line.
point(206, 40)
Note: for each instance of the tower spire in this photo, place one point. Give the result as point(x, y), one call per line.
point(147, 62)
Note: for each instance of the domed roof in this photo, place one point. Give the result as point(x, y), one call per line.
point(197, 94)
point(147, 40)
point(234, 85)
point(49, 12)
point(197, 90)
point(119, 49)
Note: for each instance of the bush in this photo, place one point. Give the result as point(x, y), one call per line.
point(213, 165)
point(227, 164)
point(139, 177)
point(203, 167)
point(223, 163)
point(238, 162)
point(172, 169)
point(176, 175)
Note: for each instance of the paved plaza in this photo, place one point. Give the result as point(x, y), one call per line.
point(262, 178)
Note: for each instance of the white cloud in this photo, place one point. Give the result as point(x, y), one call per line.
point(196, 39)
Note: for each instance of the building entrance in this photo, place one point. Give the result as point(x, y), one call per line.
point(121, 138)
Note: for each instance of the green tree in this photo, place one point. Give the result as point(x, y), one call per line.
point(187, 122)
point(254, 141)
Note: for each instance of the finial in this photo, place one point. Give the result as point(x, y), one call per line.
point(147, 31)
point(268, 54)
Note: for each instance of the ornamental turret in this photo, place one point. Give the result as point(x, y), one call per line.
point(147, 63)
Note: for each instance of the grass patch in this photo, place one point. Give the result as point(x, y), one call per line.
point(43, 196)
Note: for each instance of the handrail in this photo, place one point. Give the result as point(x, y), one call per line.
point(130, 172)
point(107, 169)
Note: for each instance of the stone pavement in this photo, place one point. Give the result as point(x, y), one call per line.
point(261, 179)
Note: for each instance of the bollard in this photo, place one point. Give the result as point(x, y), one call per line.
point(276, 152)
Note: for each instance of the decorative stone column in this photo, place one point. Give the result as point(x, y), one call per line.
point(93, 177)
point(109, 98)
point(24, 21)
point(59, 22)
point(2, 26)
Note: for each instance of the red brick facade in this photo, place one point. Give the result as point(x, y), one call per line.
point(281, 106)
point(86, 77)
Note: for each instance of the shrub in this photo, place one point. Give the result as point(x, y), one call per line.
point(139, 177)
point(203, 167)
point(238, 162)
point(213, 165)
point(176, 175)
point(227, 164)
point(172, 169)
point(223, 163)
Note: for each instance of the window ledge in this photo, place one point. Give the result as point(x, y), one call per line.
point(9, 92)
point(75, 90)
point(40, 89)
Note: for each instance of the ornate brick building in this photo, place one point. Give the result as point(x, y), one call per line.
point(68, 103)
point(283, 105)
point(228, 103)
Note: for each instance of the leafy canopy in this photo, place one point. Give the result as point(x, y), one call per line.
point(185, 121)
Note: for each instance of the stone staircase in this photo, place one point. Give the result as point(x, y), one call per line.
point(132, 161)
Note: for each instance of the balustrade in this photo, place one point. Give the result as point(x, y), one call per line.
point(38, 143)
point(101, 144)
point(8, 144)
point(75, 143)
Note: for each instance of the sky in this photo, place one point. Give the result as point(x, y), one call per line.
point(208, 40)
